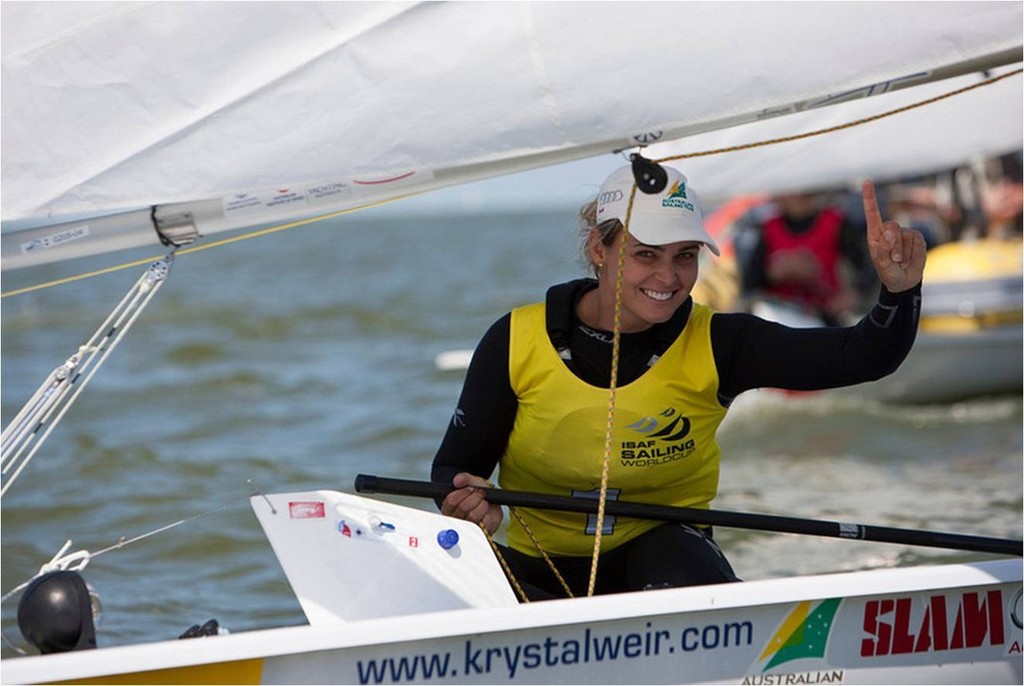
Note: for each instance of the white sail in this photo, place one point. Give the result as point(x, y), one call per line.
point(941, 135)
point(223, 115)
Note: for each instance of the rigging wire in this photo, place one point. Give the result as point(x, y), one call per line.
point(33, 424)
point(81, 558)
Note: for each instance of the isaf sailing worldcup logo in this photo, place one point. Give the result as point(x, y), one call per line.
point(660, 439)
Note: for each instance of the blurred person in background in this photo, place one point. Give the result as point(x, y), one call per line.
point(804, 250)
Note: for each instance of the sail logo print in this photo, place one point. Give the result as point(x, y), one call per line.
point(331, 191)
point(244, 204)
point(648, 137)
point(53, 240)
point(285, 196)
point(677, 197)
point(802, 634)
point(661, 439)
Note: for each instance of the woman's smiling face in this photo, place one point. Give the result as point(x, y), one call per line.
point(656, 279)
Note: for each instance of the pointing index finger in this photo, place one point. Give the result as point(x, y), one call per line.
point(871, 211)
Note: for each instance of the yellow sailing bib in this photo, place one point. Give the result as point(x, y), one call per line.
point(663, 443)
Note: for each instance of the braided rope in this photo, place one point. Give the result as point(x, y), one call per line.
point(841, 127)
point(504, 564)
point(612, 385)
point(508, 569)
point(543, 553)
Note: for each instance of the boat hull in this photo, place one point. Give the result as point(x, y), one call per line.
point(945, 368)
point(947, 624)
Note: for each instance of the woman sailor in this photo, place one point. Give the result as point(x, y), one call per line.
point(535, 402)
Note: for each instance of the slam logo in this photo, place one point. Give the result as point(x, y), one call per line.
point(896, 626)
point(804, 633)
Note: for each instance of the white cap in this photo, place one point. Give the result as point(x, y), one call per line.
point(670, 216)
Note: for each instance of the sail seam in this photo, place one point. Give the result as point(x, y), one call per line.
point(540, 70)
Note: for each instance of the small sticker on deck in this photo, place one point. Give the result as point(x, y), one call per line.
point(306, 510)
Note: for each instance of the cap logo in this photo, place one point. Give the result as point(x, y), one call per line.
point(677, 197)
point(609, 196)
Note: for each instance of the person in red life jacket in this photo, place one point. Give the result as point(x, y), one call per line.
point(535, 402)
point(803, 251)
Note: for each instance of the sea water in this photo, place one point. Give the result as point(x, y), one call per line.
point(298, 360)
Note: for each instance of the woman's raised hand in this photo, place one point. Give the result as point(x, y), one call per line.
point(897, 253)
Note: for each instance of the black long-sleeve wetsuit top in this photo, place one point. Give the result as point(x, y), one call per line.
point(749, 353)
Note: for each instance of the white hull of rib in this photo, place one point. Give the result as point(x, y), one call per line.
point(943, 624)
point(970, 338)
point(950, 368)
point(942, 367)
